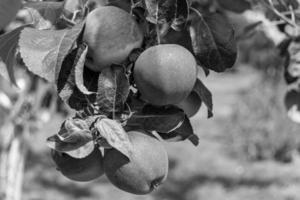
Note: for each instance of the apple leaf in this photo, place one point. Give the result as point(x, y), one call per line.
point(66, 86)
point(185, 131)
point(82, 151)
point(43, 51)
point(55, 143)
point(205, 95)
point(160, 119)
point(113, 89)
point(79, 69)
point(73, 138)
point(181, 37)
point(74, 131)
point(237, 6)
point(45, 15)
point(174, 12)
point(115, 135)
point(8, 48)
point(214, 41)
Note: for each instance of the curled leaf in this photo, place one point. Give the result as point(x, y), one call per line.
point(160, 119)
point(75, 131)
point(205, 95)
point(185, 131)
point(82, 151)
point(79, 69)
point(73, 134)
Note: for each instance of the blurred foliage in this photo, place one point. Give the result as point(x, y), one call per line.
point(258, 128)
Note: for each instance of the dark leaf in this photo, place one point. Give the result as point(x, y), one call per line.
point(181, 37)
point(173, 12)
point(205, 95)
point(43, 51)
point(185, 131)
point(160, 119)
point(181, 15)
point(214, 42)
point(75, 131)
point(113, 89)
point(237, 6)
point(66, 85)
point(8, 48)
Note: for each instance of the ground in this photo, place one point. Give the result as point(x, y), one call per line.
point(213, 170)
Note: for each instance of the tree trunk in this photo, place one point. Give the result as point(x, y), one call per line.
point(13, 151)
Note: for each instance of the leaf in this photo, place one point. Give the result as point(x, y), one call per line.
point(43, 51)
point(173, 12)
point(292, 104)
point(8, 48)
point(55, 143)
point(113, 89)
point(181, 15)
point(83, 151)
point(115, 135)
point(66, 85)
point(205, 95)
point(75, 131)
point(45, 14)
point(160, 119)
point(185, 131)
point(237, 6)
point(214, 42)
point(181, 37)
point(79, 68)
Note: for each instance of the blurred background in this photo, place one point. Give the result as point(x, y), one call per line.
point(249, 150)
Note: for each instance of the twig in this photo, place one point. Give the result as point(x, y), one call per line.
point(278, 14)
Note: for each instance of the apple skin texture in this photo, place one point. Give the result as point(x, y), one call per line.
point(111, 34)
point(165, 74)
point(82, 170)
point(146, 169)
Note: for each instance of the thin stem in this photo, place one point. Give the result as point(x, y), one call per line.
point(278, 14)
